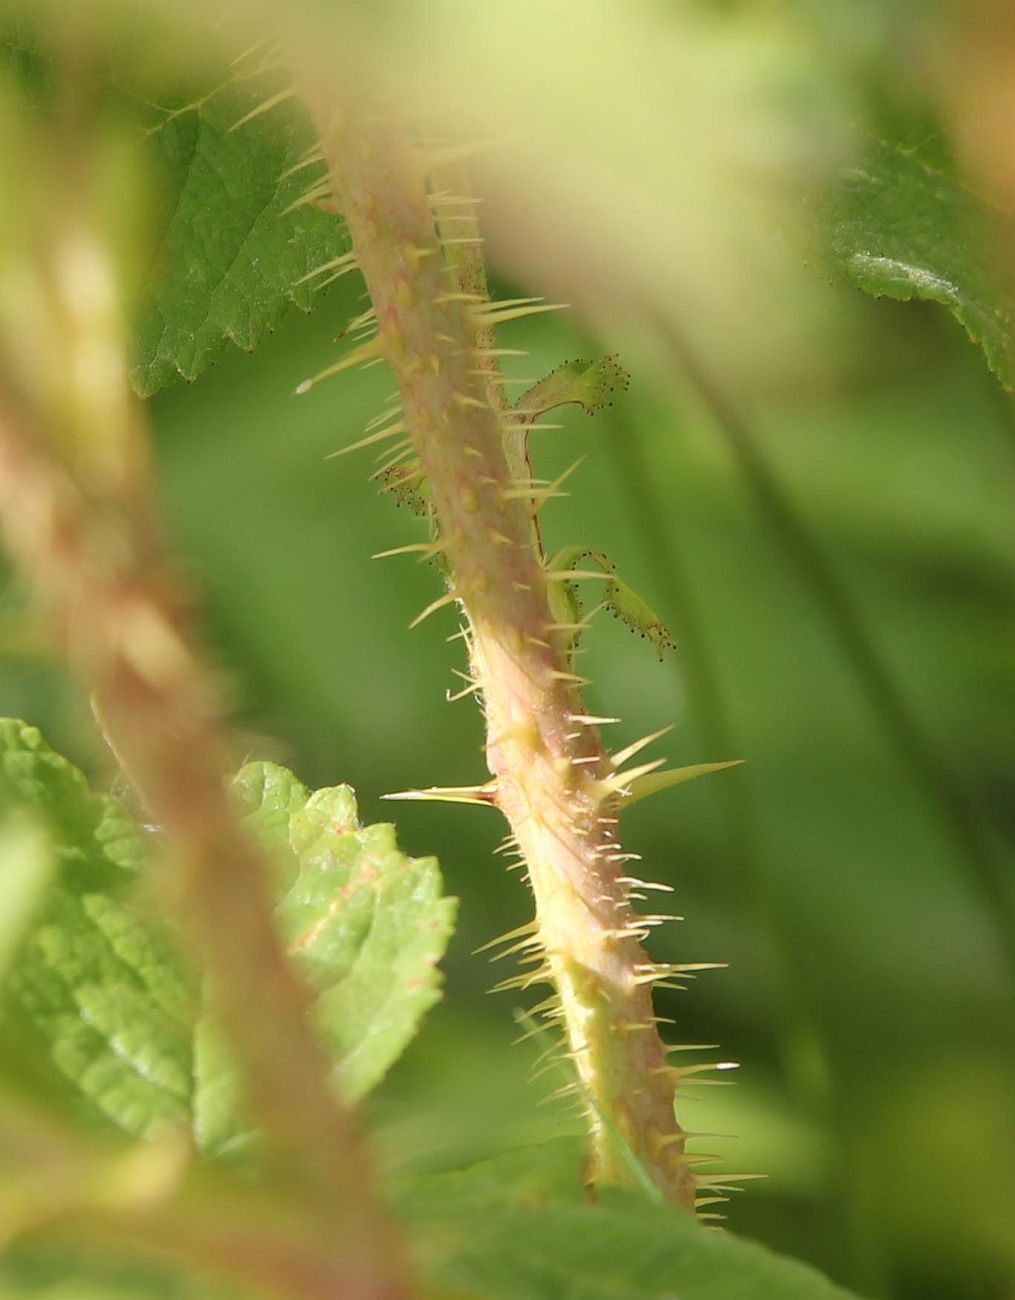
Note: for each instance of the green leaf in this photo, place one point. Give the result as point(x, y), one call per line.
point(228, 252)
point(501, 1231)
point(903, 224)
point(364, 925)
point(99, 1010)
point(50, 1272)
point(589, 384)
point(232, 252)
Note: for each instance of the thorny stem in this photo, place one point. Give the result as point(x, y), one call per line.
point(80, 524)
point(553, 782)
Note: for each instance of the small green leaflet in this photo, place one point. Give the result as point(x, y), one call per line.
point(588, 384)
point(99, 1012)
point(901, 223)
point(508, 1230)
point(622, 601)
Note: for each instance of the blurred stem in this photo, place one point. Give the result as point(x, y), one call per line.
point(150, 1197)
point(76, 508)
point(941, 786)
point(123, 631)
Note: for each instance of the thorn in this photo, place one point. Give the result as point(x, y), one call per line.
point(641, 787)
point(383, 417)
point(622, 755)
point(568, 1090)
point(514, 302)
point(445, 196)
point(620, 781)
point(529, 928)
point(322, 190)
point(432, 608)
point(477, 794)
point(311, 160)
point(647, 884)
point(346, 262)
point(453, 697)
point(250, 50)
point(381, 435)
point(524, 981)
point(723, 1182)
point(669, 1140)
point(425, 548)
point(400, 454)
point(687, 1071)
point(684, 968)
point(464, 401)
point(364, 352)
point(495, 314)
point(368, 317)
point(704, 1083)
point(265, 107)
point(533, 945)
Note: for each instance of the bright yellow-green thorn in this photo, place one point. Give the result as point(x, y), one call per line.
point(264, 107)
point(485, 795)
point(641, 786)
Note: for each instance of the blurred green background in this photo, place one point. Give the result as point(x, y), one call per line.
point(867, 996)
point(869, 990)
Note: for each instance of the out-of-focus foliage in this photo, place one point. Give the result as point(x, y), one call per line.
point(99, 1010)
point(902, 224)
point(514, 1239)
point(96, 1005)
point(42, 1274)
point(233, 249)
point(230, 245)
point(868, 996)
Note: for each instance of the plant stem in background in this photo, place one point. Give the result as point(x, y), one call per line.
point(76, 510)
point(942, 787)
